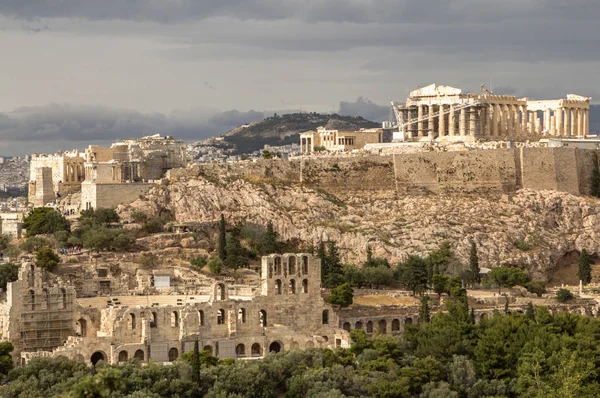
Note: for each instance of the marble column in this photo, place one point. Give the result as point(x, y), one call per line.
point(430, 122)
point(420, 122)
point(573, 122)
point(462, 122)
point(566, 130)
point(547, 121)
point(509, 120)
point(495, 120)
point(442, 122)
point(558, 113)
point(524, 120)
point(472, 121)
point(451, 129)
point(581, 120)
point(552, 125)
point(586, 122)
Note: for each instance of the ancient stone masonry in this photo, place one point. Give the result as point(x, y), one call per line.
point(286, 311)
point(335, 140)
point(105, 177)
point(446, 113)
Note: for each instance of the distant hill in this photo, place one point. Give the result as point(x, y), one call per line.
point(595, 119)
point(286, 129)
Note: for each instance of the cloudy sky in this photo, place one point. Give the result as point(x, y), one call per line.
point(77, 71)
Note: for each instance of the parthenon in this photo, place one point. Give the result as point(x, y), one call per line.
point(444, 112)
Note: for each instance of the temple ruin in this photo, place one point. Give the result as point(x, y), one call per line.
point(446, 113)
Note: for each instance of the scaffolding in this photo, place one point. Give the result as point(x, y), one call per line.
point(46, 319)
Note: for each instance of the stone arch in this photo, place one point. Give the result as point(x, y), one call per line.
point(256, 350)
point(220, 292)
point(483, 317)
point(173, 354)
point(309, 345)
point(408, 321)
point(201, 318)
point(79, 357)
point(32, 300)
point(294, 346)
point(63, 293)
point(154, 321)
point(325, 317)
point(208, 348)
point(382, 326)
point(175, 319)
point(292, 286)
point(240, 350)
point(262, 318)
point(291, 265)
point(220, 317)
point(369, 327)
point(305, 286)
point(358, 325)
point(132, 321)
point(276, 346)
point(277, 262)
point(242, 315)
point(123, 356)
point(81, 327)
point(45, 299)
point(395, 325)
point(278, 288)
point(346, 326)
point(139, 355)
point(304, 265)
point(97, 357)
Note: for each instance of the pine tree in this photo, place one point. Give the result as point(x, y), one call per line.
point(334, 275)
point(369, 262)
point(530, 312)
point(222, 239)
point(506, 308)
point(585, 270)
point(424, 312)
point(196, 364)
point(270, 239)
point(474, 264)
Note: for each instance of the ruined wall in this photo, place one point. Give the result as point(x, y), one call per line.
point(110, 195)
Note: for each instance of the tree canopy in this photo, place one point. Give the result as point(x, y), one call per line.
point(44, 220)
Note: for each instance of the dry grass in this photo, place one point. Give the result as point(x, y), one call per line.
point(384, 299)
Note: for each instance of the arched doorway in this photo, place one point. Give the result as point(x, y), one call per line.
point(395, 325)
point(81, 328)
point(382, 326)
point(240, 350)
point(139, 355)
point(346, 326)
point(275, 346)
point(173, 354)
point(123, 356)
point(256, 350)
point(208, 348)
point(408, 321)
point(369, 327)
point(98, 356)
point(358, 325)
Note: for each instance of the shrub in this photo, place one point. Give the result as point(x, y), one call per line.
point(564, 295)
point(536, 287)
point(198, 261)
point(215, 265)
point(46, 258)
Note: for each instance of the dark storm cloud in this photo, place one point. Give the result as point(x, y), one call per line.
point(79, 123)
point(365, 108)
point(360, 11)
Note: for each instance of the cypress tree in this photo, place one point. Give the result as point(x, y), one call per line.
point(270, 239)
point(595, 180)
point(196, 364)
point(424, 312)
point(474, 264)
point(222, 239)
point(585, 270)
point(369, 262)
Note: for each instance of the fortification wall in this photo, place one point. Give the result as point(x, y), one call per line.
point(111, 195)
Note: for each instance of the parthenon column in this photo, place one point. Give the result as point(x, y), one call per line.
point(420, 122)
point(573, 122)
point(546, 121)
point(462, 121)
point(524, 120)
point(586, 122)
point(566, 129)
point(451, 129)
point(581, 120)
point(442, 122)
point(559, 121)
point(494, 120)
point(510, 121)
point(472, 121)
point(430, 122)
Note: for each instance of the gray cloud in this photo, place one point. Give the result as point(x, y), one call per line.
point(365, 108)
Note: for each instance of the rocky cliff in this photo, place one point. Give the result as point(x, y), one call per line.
point(538, 230)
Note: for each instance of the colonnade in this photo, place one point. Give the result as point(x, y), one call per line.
point(443, 120)
point(73, 173)
point(306, 145)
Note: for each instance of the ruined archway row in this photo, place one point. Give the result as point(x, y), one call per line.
point(379, 325)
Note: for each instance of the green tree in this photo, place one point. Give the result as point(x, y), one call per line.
point(44, 220)
point(536, 287)
point(440, 284)
point(412, 274)
point(199, 261)
point(530, 312)
point(99, 216)
point(564, 295)
point(6, 362)
point(424, 312)
point(236, 255)
point(585, 270)
point(46, 258)
point(331, 265)
point(9, 272)
point(196, 363)
point(341, 295)
point(222, 243)
point(474, 264)
point(34, 244)
point(4, 242)
point(508, 277)
point(377, 276)
point(270, 241)
point(139, 217)
point(215, 265)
